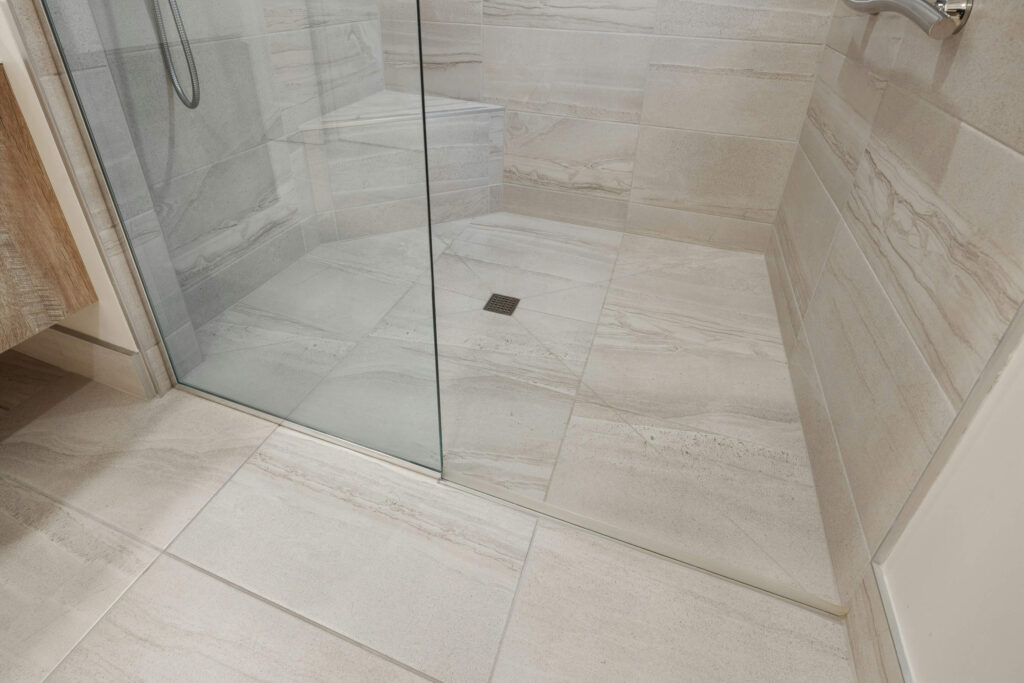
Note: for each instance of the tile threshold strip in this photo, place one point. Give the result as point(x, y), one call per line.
point(707, 565)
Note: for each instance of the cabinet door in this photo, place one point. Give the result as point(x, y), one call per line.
point(42, 277)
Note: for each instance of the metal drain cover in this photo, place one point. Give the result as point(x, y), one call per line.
point(500, 303)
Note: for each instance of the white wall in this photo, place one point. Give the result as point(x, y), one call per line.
point(104, 320)
point(955, 576)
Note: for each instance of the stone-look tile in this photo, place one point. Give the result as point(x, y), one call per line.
point(788, 21)
point(294, 78)
point(790, 318)
point(371, 569)
point(838, 124)
point(337, 302)
point(456, 11)
point(503, 416)
point(145, 467)
point(573, 253)
point(871, 645)
point(571, 155)
point(806, 224)
point(589, 75)
point(972, 76)
point(847, 547)
point(565, 206)
point(292, 358)
point(629, 16)
point(177, 623)
point(591, 609)
point(59, 572)
point(888, 410)
point(708, 318)
point(349, 60)
point(210, 296)
point(451, 56)
point(102, 109)
point(129, 25)
point(460, 152)
point(947, 250)
point(729, 86)
point(699, 228)
point(833, 138)
point(708, 173)
point(218, 214)
point(871, 40)
point(747, 506)
point(239, 71)
point(383, 395)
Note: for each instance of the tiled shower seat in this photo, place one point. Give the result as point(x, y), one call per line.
point(366, 165)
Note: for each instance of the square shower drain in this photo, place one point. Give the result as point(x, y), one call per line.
point(500, 303)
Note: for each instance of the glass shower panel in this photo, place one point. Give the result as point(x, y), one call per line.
point(281, 225)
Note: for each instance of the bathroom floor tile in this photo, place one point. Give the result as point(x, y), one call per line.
point(59, 572)
point(747, 506)
point(145, 467)
point(592, 609)
point(413, 569)
point(177, 623)
point(382, 395)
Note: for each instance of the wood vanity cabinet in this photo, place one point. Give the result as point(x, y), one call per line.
point(42, 277)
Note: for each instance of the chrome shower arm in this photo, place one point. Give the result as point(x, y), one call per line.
point(939, 20)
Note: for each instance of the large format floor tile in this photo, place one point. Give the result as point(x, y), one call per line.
point(634, 368)
point(415, 570)
point(177, 624)
point(146, 467)
point(59, 572)
point(591, 609)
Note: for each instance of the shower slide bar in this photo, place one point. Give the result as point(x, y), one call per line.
point(938, 19)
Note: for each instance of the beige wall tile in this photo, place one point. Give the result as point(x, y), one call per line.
point(872, 40)
point(847, 547)
point(565, 206)
point(791, 21)
point(573, 155)
point(700, 228)
point(632, 16)
point(785, 302)
point(730, 86)
point(707, 173)
point(947, 248)
point(574, 73)
point(976, 75)
point(888, 411)
point(805, 226)
point(452, 58)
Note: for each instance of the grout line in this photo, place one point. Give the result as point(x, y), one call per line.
point(554, 514)
point(103, 616)
point(583, 371)
point(220, 488)
point(515, 600)
point(267, 601)
point(652, 34)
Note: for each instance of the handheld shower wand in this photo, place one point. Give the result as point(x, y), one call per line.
point(193, 101)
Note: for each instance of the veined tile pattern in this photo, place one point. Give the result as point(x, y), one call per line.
point(59, 572)
point(434, 595)
point(313, 560)
point(624, 350)
point(177, 623)
point(656, 621)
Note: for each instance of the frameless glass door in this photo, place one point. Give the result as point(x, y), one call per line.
point(267, 159)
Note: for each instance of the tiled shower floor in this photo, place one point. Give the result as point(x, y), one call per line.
point(641, 382)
